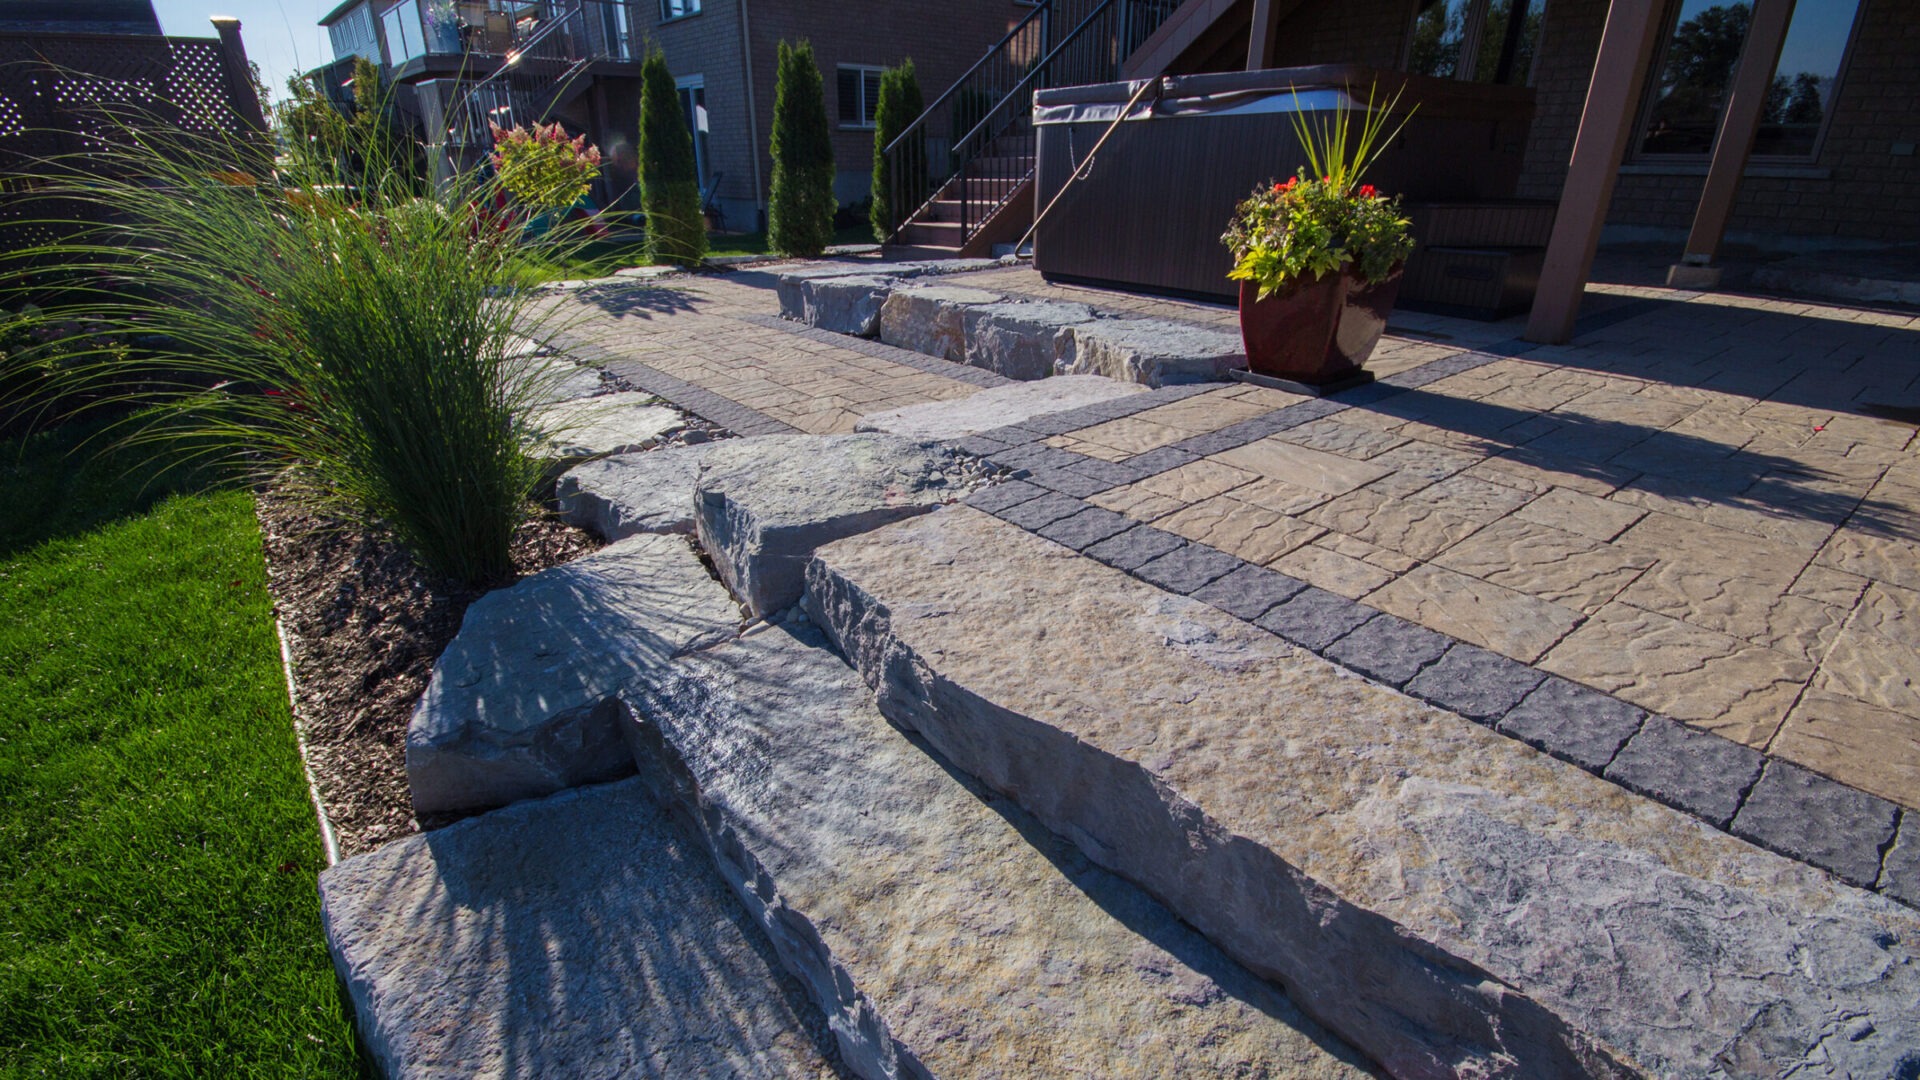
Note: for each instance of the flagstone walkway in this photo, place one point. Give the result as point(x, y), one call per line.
point(1706, 506)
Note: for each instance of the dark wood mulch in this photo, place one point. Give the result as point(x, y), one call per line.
point(364, 627)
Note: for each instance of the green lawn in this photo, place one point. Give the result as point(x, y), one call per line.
point(600, 258)
point(157, 850)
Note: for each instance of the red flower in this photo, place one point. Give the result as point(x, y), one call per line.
point(1367, 191)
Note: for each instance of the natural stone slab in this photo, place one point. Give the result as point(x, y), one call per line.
point(791, 286)
point(549, 380)
point(844, 305)
point(943, 931)
point(1156, 352)
point(630, 494)
point(521, 703)
point(762, 505)
point(1487, 908)
point(1024, 339)
point(996, 407)
point(931, 319)
point(577, 935)
point(621, 423)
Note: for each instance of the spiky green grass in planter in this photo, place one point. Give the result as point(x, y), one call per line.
point(157, 851)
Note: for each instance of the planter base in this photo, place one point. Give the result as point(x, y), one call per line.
point(1271, 382)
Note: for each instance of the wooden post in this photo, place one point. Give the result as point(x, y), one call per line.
point(233, 61)
point(1606, 123)
point(1739, 123)
point(1260, 35)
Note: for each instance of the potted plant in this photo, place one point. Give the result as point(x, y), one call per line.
point(1318, 255)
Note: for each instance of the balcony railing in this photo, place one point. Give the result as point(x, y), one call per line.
point(557, 30)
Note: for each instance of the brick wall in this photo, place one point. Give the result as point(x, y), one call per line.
point(944, 38)
point(1865, 191)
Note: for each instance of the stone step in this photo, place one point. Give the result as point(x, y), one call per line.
point(1447, 899)
point(580, 935)
point(942, 931)
point(630, 494)
point(998, 406)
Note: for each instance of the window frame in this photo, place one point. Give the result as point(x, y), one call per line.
point(1474, 40)
point(689, 8)
point(875, 70)
point(1653, 162)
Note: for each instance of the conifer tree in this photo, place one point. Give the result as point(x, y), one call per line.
point(800, 213)
point(669, 174)
point(900, 105)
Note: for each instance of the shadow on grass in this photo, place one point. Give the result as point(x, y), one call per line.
point(69, 480)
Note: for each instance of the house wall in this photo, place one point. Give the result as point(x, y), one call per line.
point(1857, 187)
point(943, 38)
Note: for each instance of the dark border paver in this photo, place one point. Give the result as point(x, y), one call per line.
point(1696, 771)
point(1315, 618)
point(1250, 592)
point(1134, 548)
point(1088, 527)
point(1389, 649)
point(1574, 723)
point(1188, 567)
point(1811, 818)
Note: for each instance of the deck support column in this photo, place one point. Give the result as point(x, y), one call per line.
point(239, 76)
point(1606, 124)
point(1266, 13)
point(1733, 143)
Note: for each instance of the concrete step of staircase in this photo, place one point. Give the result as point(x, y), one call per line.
point(942, 931)
point(1448, 900)
point(940, 234)
point(580, 935)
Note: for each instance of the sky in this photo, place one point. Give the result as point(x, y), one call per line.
point(282, 36)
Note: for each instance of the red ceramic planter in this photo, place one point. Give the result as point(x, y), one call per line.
point(1317, 332)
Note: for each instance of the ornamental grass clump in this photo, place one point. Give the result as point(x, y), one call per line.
point(344, 338)
point(1324, 219)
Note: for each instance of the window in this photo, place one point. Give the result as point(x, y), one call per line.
point(353, 35)
point(693, 103)
point(859, 96)
point(675, 9)
point(1489, 41)
point(1690, 82)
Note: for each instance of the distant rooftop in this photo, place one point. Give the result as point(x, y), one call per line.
point(79, 17)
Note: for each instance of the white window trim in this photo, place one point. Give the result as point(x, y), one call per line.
point(876, 70)
point(694, 7)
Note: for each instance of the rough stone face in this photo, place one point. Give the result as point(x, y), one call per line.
point(844, 305)
point(792, 283)
point(1489, 909)
point(521, 704)
point(1023, 339)
point(577, 935)
point(941, 929)
point(762, 505)
point(549, 380)
point(630, 494)
point(619, 423)
point(1156, 352)
point(996, 406)
point(931, 319)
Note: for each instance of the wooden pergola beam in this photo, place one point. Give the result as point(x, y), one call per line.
point(1733, 143)
point(1606, 125)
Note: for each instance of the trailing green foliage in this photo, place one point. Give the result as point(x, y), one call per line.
point(669, 172)
point(1323, 219)
point(157, 849)
point(800, 216)
point(900, 105)
point(354, 341)
point(545, 171)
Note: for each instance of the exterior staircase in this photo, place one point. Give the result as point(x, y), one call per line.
point(963, 170)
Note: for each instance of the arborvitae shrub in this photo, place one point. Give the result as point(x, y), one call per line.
point(900, 105)
point(669, 176)
point(800, 215)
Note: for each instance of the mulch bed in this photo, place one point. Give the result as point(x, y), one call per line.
point(364, 626)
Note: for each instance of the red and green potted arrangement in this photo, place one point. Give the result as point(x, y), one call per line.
point(1318, 255)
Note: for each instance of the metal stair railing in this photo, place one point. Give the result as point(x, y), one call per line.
point(974, 144)
point(573, 35)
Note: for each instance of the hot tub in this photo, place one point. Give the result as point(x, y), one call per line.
point(1150, 211)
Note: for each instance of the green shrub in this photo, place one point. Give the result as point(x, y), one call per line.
point(800, 216)
point(900, 105)
point(669, 173)
point(545, 171)
point(351, 342)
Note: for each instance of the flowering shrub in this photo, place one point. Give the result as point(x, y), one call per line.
point(1304, 228)
point(543, 169)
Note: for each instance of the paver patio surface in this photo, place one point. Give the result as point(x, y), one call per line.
point(1689, 506)
point(719, 334)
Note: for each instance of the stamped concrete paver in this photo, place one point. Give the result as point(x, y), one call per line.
point(1548, 563)
point(1489, 615)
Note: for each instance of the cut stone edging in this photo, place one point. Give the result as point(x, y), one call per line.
point(630, 494)
point(998, 406)
point(1465, 886)
point(762, 505)
point(618, 423)
point(578, 935)
point(942, 931)
point(522, 702)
